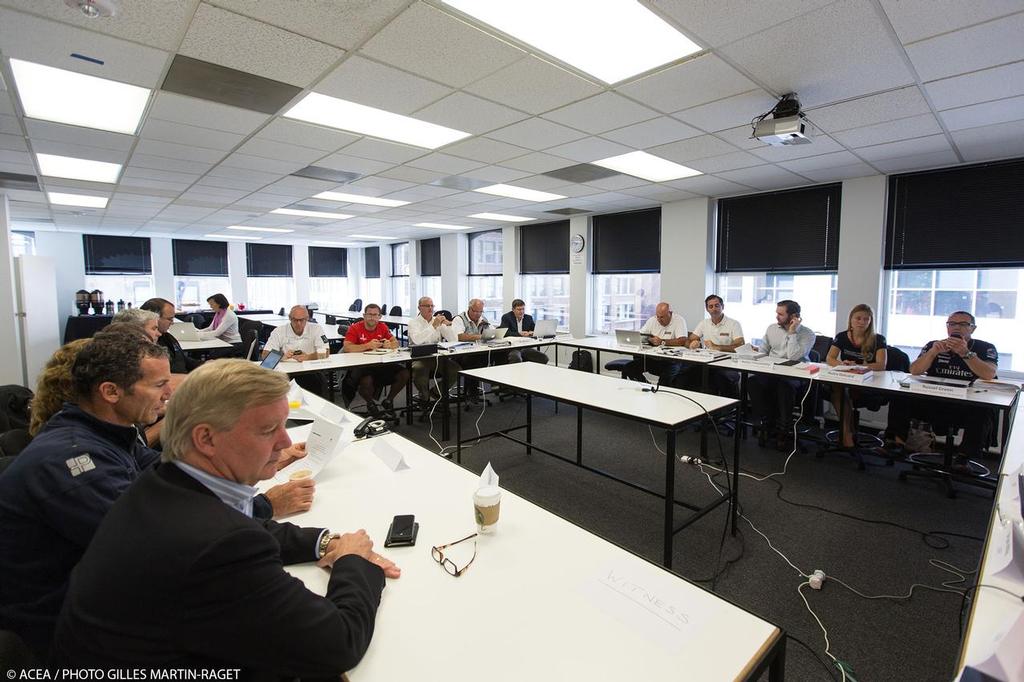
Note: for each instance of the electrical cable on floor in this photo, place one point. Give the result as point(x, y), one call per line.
point(800, 591)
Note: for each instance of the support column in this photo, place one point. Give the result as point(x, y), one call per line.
point(11, 367)
point(579, 274)
point(861, 243)
point(687, 248)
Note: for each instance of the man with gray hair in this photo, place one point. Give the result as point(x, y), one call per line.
point(147, 320)
point(182, 543)
point(470, 326)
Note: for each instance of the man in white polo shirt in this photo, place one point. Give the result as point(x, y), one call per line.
point(718, 333)
point(300, 340)
point(665, 328)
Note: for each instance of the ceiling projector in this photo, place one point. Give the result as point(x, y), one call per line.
point(94, 8)
point(783, 125)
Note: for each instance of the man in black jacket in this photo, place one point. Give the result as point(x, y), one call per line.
point(180, 363)
point(519, 323)
point(179, 574)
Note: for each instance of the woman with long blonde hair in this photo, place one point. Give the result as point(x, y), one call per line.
point(858, 345)
point(53, 388)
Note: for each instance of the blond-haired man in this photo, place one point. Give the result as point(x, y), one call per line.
point(182, 543)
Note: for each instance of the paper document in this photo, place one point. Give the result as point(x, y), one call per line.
point(321, 445)
point(389, 454)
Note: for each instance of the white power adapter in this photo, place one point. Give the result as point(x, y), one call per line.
point(816, 579)
point(686, 459)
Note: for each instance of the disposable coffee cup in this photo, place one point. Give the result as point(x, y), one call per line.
point(300, 475)
point(486, 506)
point(294, 404)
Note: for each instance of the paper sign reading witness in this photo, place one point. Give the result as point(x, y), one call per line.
point(321, 444)
point(651, 606)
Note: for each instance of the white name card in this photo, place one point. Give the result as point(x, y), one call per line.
point(848, 377)
point(750, 363)
point(947, 390)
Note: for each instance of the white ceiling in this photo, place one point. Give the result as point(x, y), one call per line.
point(889, 86)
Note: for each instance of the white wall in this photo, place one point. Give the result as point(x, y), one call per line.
point(454, 266)
point(509, 265)
point(861, 245)
point(65, 248)
point(162, 258)
point(300, 273)
point(686, 250)
point(237, 268)
point(579, 277)
point(10, 366)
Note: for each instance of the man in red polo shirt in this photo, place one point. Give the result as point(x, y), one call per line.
point(371, 334)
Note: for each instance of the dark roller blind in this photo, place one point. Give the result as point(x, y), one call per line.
point(544, 249)
point(325, 261)
point(628, 242)
point(966, 217)
point(268, 260)
point(792, 231)
point(199, 259)
point(430, 257)
point(106, 255)
point(371, 262)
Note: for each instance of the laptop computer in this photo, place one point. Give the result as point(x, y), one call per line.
point(184, 331)
point(493, 333)
point(545, 329)
point(628, 338)
point(273, 357)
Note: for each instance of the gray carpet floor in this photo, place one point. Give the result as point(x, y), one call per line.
point(880, 639)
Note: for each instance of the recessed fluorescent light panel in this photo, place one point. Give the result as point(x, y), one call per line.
point(77, 169)
point(368, 236)
point(610, 39)
point(647, 166)
point(61, 96)
point(312, 214)
point(231, 236)
point(258, 229)
point(502, 217)
point(358, 118)
point(77, 200)
point(359, 199)
point(518, 193)
point(442, 226)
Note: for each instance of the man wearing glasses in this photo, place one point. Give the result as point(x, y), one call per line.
point(958, 356)
point(425, 328)
point(300, 340)
point(370, 334)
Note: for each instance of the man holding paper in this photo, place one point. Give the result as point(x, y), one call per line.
point(370, 334)
point(182, 543)
point(958, 356)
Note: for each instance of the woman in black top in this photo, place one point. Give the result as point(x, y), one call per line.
point(858, 345)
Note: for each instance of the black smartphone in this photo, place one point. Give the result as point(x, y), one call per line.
point(403, 531)
point(788, 363)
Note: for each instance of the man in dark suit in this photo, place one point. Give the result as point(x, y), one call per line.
point(180, 363)
point(519, 323)
point(179, 574)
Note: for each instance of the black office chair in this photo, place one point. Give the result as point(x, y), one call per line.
point(198, 320)
point(280, 312)
point(250, 344)
point(330, 320)
point(447, 314)
point(13, 442)
point(396, 311)
point(357, 306)
point(383, 308)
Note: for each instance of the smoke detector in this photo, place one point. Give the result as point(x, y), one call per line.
point(94, 9)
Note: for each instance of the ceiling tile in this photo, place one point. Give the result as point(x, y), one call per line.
point(856, 170)
point(989, 44)
point(302, 134)
point(728, 112)
point(382, 150)
point(163, 163)
point(536, 134)
point(79, 151)
point(986, 114)
point(537, 162)
point(353, 164)
point(498, 174)
point(20, 35)
point(156, 174)
point(344, 24)
point(980, 86)
point(722, 21)
point(865, 111)
point(900, 129)
point(657, 131)
point(589, 149)
point(376, 85)
point(415, 175)
point(693, 148)
point(991, 142)
point(533, 85)
point(178, 151)
point(231, 40)
point(88, 137)
point(892, 150)
point(260, 163)
point(463, 111)
point(485, 150)
point(167, 131)
point(765, 177)
point(692, 83)
point(661, 193)
point(740, 136)
point(428, 42)
point(917, 19)
point(14, 143)
point(181, 109)
point(375, 184)
point(450, 165)
point(279, 150)
point(799, 56)
point(832, 160)
point(916, 162)
point(597, 114)
point(618, 182)
point(725, 162)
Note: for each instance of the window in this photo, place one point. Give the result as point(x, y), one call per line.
point(23, 244)
point(200, 271)
point(106, 255)
point(485, 271)
point(134, 289)
point(270, 293)
point(430, 257)
point(750, 299)
point(400, 286)
point(269, 284)
point(429, 286)
point(547, 297)
point(328, 279)
point(190, 293)
point(919, 301)
point(268, 260)
point(370, 288)
point(627, 265)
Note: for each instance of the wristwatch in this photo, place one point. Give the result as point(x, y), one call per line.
point(321, 550)
point(970, 355)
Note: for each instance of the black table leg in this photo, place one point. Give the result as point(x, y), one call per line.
point(529, 422)
point(579, 435)
point(445, 413)
point(408, 393)
point(670, 494)
point(458, 428)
